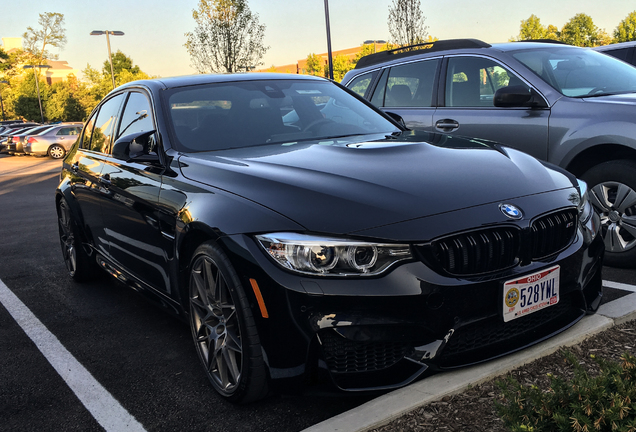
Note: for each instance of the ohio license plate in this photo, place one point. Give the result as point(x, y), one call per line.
point(530, 293)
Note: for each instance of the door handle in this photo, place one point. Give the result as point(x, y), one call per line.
point(447, 125)
point(75, 167)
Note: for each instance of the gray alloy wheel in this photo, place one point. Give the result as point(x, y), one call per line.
point(78, 263)
point(613, 195)
point(56, 151)
point(223, 328)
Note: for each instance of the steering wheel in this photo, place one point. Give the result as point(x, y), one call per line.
point(595, 90)
point(314, 123)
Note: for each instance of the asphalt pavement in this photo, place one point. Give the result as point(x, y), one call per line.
point(144, 359)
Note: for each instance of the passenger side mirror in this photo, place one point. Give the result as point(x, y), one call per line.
point(135, 148)
point(517, 96)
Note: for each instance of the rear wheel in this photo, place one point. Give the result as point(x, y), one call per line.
point(56, 151)
point(223, 328)
point(613, 194)
point(79, 264)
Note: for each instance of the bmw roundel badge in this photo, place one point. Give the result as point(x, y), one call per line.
point(513, 212)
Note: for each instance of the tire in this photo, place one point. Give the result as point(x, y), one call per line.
point(223, 328)
point(612, 187)
point(80, 265)
point(56, 151)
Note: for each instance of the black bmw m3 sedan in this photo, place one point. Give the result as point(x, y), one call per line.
point(307, 237)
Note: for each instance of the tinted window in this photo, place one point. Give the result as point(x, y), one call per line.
point(473, 81)
point(411, 85)
point(242, 114)
point(620, 54)
point(137, 116)
point(68, 131)
point(361, 83)
point(105, 124)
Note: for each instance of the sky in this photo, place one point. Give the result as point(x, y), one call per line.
point(155, 30)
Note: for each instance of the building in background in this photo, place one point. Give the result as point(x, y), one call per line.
point(300, 67)
point(59, 69)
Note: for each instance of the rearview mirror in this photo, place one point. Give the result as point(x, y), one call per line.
point(516, 96)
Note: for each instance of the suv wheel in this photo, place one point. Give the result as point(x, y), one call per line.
point(613, 195)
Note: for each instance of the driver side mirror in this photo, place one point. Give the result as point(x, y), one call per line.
point(517, 96)
point(135, 147)
point(397, 118)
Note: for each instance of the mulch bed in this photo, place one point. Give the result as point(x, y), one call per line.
point(473, 410)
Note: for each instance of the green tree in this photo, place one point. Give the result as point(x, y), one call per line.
point(532, 29)
point(64, 101)
point(25, 99)
point(51, 34)
point(406, 22)
point(581, 31)
point(4, 60)
point(315, 65)
point(626, 30)
point(227, 38)
point(341, 65)
point(120, 62)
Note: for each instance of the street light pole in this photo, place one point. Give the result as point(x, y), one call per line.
point(328, 40)
point(1, 104)
point(37, 84)
point(110, 58)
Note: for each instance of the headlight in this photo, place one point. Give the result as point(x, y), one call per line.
point(323, 256)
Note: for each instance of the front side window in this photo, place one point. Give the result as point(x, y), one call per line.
point(579, 72)
point(243, 114)
point(105, 122)
point(473, 81)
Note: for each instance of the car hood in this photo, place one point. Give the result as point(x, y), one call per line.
point(346, 185)
point(625, 98)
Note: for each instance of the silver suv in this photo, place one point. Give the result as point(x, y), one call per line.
point(573, 107)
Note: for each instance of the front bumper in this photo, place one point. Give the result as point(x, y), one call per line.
point(385, 332)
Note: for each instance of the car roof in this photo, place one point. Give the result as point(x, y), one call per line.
point(451, 45)
point(190, 80)
point(612, 47)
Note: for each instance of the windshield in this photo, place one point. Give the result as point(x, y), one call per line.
point(248, 113)
point(579, 72)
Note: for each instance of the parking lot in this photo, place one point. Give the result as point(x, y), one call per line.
point(142, 357)
point(141, 363)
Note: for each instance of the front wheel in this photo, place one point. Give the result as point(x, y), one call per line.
point(80, 265)
point(223, 328)
point(56, 151)
point(612, 188)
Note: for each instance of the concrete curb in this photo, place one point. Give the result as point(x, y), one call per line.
point(390, 406)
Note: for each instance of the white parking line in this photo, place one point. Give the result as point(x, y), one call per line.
point(99, 402)
point(619, 285)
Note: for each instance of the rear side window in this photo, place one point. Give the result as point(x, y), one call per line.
point(98, 137)
point(411, 85)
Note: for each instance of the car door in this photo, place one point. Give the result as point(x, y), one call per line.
point(466, 106)
point(409, 91)
point(129, 208)
point(86, 166)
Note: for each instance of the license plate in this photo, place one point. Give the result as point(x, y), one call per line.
point(530, 293)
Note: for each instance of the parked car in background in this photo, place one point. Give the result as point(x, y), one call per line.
point(15, 143)
point(306, 236)
point(625, 51)
point(570, 106)
point(11, 128)
point(54, 141)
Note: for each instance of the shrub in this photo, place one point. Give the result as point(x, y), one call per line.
point(604, 402)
